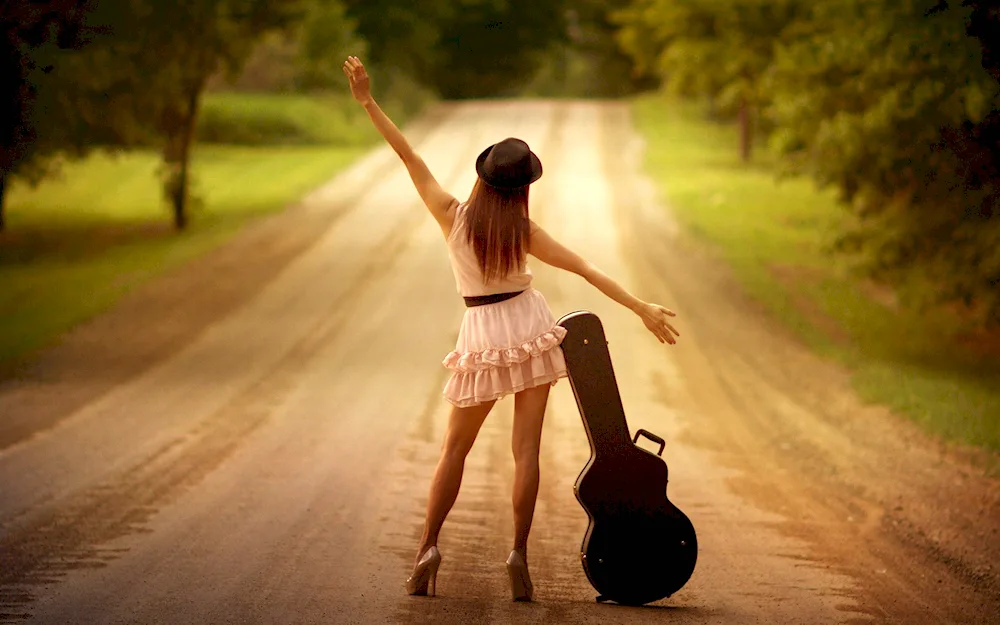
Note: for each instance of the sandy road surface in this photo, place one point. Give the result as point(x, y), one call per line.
point(251, 438)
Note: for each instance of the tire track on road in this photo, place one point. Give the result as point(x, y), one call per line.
point(45, 545)
point(805, 449)
point(69, 537)
point(112, 349)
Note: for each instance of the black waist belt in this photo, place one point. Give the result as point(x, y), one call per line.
point(482, 300)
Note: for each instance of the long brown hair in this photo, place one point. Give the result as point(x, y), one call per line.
point(497, 227)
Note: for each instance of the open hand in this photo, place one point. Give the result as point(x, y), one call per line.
point(358, 78)
point(657, 320)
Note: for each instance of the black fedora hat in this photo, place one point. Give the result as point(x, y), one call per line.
point(509, 164)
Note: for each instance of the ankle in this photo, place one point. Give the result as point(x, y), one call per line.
point(424, 547)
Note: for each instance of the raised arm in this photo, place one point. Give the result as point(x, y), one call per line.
point(655, 317)
point(440, 203)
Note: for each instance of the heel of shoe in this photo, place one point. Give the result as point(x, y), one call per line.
point(432, 582)
point(520, 581)
point(423, 581)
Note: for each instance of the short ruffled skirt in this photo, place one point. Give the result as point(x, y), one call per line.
point(504, 348)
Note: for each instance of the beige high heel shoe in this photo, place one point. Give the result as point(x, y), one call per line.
point(423, 580)
point(520, 581)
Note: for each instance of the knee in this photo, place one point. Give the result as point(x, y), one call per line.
point(456, 447)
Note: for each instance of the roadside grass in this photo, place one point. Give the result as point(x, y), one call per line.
point(79, 241)
point(775, 235)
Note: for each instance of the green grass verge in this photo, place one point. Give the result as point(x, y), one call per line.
point(774, 234)
point(77, 243)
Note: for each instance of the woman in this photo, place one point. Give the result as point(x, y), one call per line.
point(508, 341)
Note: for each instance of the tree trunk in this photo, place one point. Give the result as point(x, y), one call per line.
point(177, 155)
point(745, 134)
point(3, 196)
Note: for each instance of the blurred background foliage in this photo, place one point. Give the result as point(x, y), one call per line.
point(892, 103)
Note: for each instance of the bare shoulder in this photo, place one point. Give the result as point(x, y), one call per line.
point(536, 234)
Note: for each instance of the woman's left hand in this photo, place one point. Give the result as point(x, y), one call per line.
point(358, 77)
point(656, 318)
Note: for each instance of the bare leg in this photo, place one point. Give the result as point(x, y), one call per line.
point(463, 427)
point(529, 411)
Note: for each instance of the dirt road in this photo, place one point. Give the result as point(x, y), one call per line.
point(250, 439)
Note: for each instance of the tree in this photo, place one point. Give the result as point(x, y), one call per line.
point(326, 37)
point(718, 50)
point(33, 35)
point(185, 43)
point(889, 101)
point(137, 81)
point(400, 35)
point(592, 38)
point(895, 103)
point(476, 48)
point(494, 47)
point(305, 57)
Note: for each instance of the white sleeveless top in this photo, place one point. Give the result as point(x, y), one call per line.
point(468, 277)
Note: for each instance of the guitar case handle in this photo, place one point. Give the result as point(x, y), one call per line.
point(650, 436)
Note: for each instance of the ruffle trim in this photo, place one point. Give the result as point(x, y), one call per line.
point(464, 402)
point(471, 362)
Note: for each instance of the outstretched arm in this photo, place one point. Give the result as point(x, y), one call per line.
point(440, 203)
point(655, 317)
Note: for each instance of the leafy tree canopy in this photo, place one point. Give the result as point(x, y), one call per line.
point(718, 49)
point(893, 102)
point(889, 101)
point(473, 48)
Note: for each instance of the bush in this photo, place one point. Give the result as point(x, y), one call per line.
point(282, 119)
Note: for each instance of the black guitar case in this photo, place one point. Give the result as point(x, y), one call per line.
point(638, 547)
